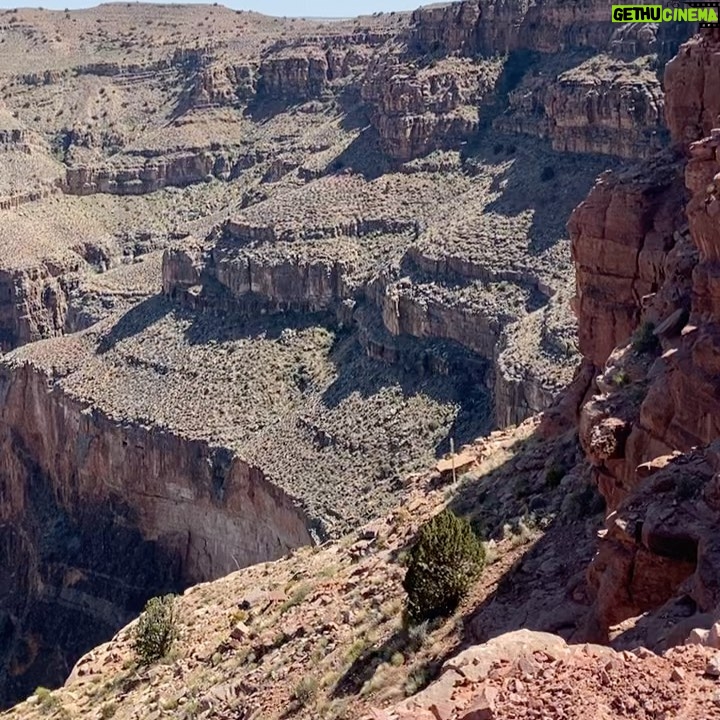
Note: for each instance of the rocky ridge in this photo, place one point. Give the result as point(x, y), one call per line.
point(247, 639)
point(649, 430)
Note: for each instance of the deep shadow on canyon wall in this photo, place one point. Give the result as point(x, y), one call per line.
point(96, 516)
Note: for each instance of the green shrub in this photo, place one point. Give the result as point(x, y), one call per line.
point(156, 630)
point(644, 340)
point(446, 560)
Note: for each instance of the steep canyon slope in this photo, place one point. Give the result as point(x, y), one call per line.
point(255, 271)
point(651, 430)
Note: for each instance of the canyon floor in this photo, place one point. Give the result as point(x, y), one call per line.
point(259, 275)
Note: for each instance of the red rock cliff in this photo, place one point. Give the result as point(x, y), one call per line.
point(648, 302)
point(96, 513)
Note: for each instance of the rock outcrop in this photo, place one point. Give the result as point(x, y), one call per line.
point(333, 258)
point(501, 26)
point(693, 104)
point(295, 74)
point(415, 112)
point(621, 235)
point(529, 674)
point(603, 105)
point(220, 84)
point(152, 174)
point(98, 513)
point(654, 276)
point(34, 306)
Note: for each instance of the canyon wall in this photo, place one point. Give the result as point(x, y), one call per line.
point(152, 174)
point(132, 509)
point(648, 316)
point(32, 306)
point(571, 76)
point(500, 26)
point(98, 514)
point(600, 106)
point(231, 272)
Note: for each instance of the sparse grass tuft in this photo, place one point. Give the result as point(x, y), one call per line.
point(299, 594)
point(47, 701)
point(305, 691)
point(108, 711)
point(417, 680)
point(620, 378)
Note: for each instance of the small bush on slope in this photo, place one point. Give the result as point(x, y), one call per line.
point(644, 340)
point(447, 559)
point(156, 630)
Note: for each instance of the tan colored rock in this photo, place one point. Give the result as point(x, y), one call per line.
point(483, 707)
point(298, 74)
point(177, 169)
point(416, 111)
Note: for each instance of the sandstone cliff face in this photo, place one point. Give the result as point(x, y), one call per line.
point(33, 306)
point(658, 397)
point(416, 112)
point(693, 103)
point(407, 312)
point(297, 74)
point(133, 510)
point(150, 175)
point(450, 29)
point(500, 26)
point(620, 237)
point(600, 106)
point(222, 84)
point(609, 103)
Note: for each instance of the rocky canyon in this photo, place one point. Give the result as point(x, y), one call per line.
point(258, 274)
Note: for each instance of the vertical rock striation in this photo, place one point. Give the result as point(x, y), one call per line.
point(651, 432)
point(96, 515)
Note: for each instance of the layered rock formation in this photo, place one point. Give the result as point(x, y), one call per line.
point(651, 270)
point(501, 26)
point(297, 74)
point(416, 112)
point(621, 236)
point(130, 510)
point(693, 105)
point(34, 307)
point(149, 175)
point(602, 105)
point(585, 84)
